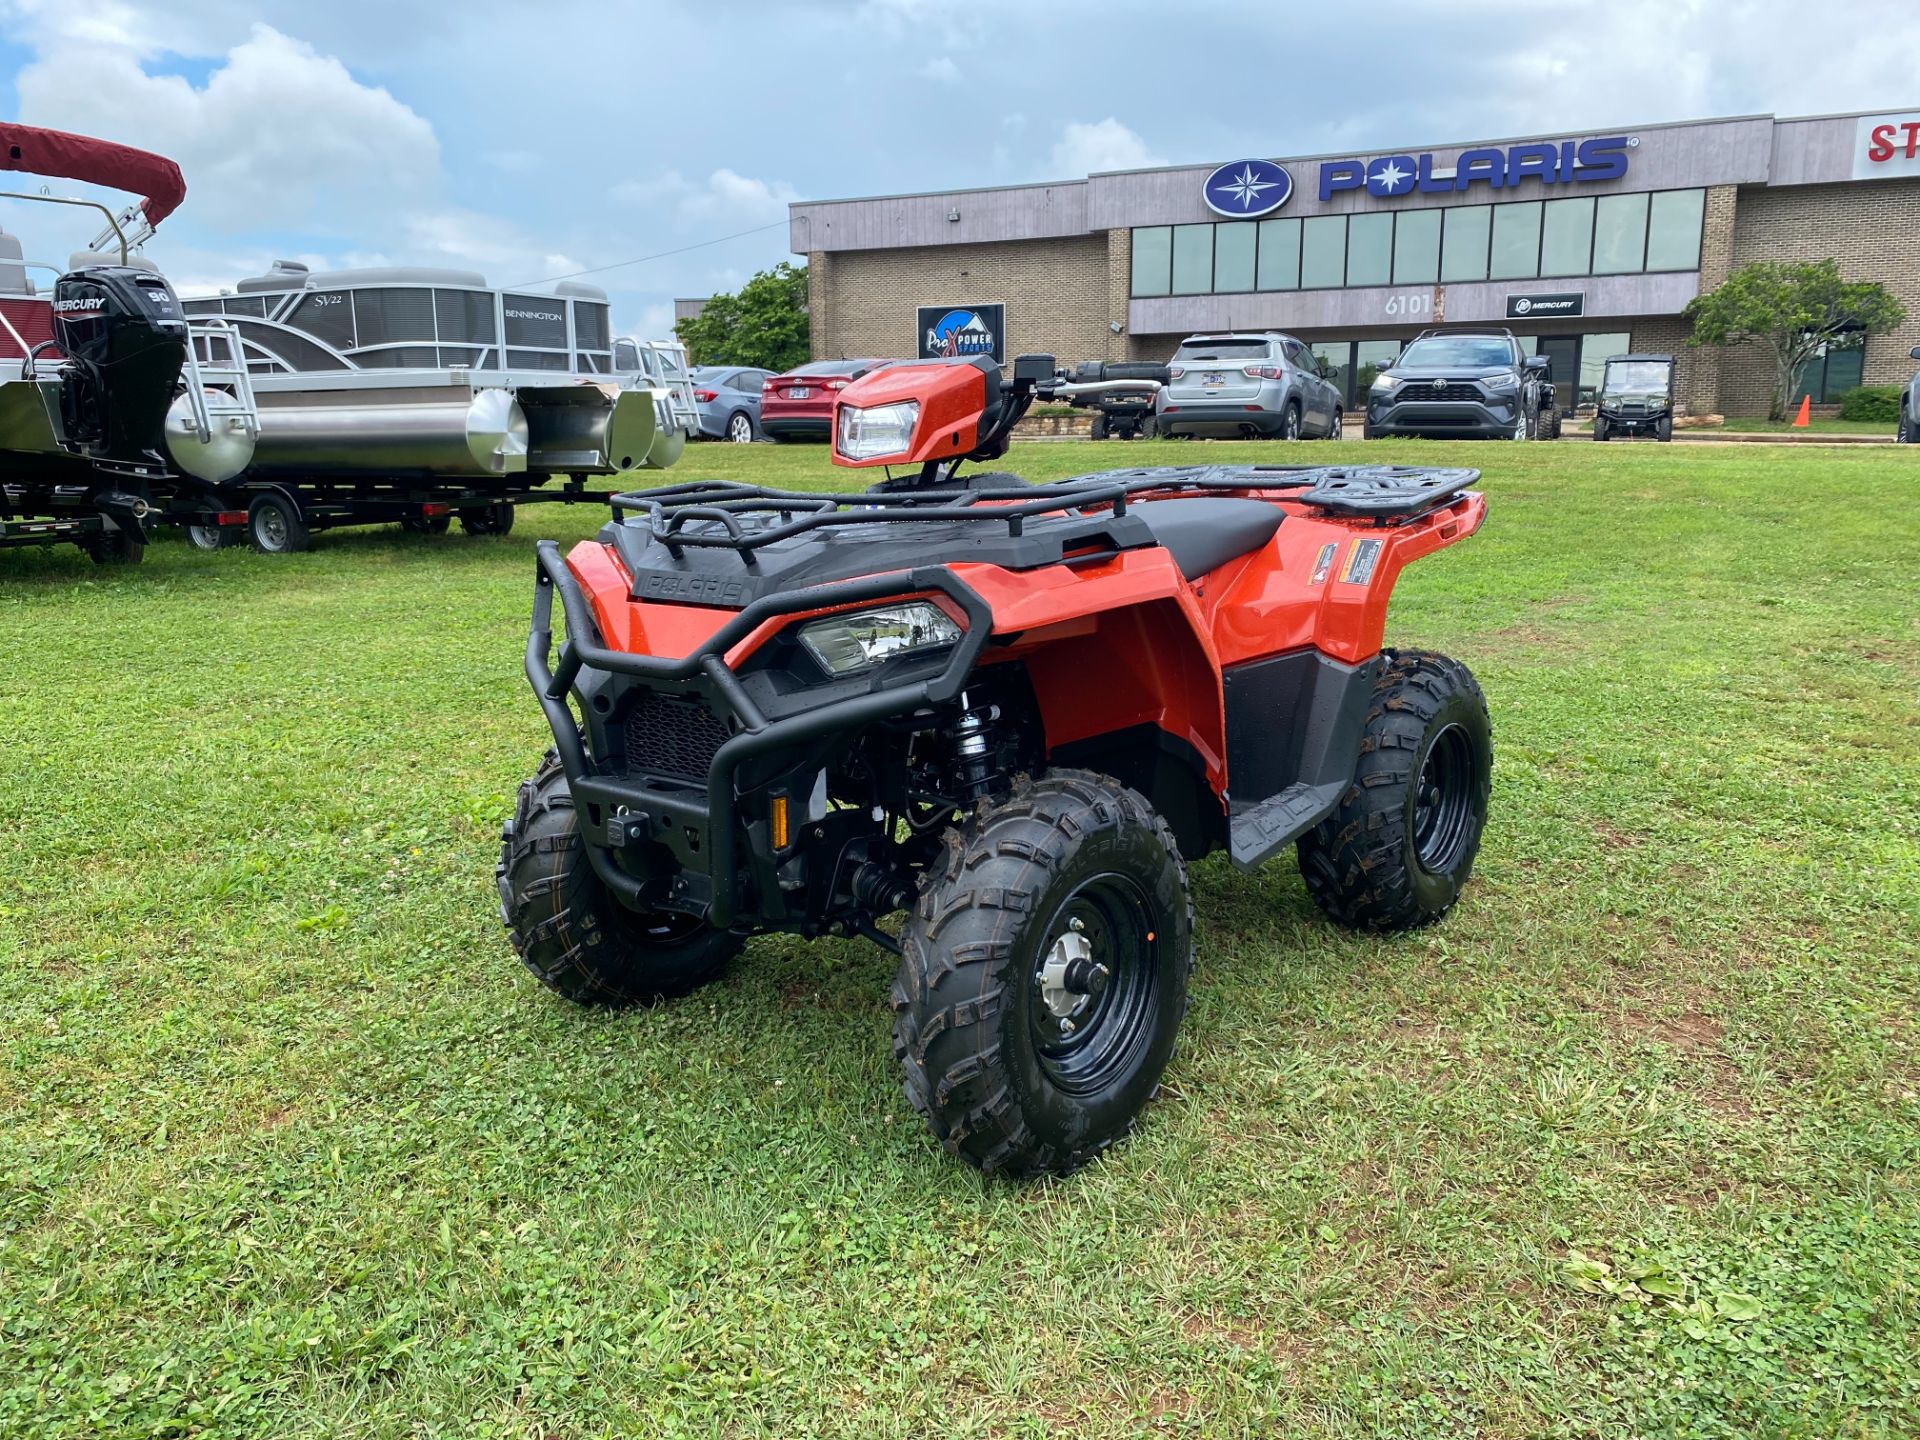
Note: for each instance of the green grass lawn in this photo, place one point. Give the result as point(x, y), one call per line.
point(290, 1145)
point(1757, 425)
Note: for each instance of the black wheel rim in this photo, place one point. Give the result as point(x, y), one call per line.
point(1443, 801)
point(1106, 922)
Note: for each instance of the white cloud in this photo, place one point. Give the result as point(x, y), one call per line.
point(1085, 148)
point(280, 135)
point(725, 195)
point(942, 71)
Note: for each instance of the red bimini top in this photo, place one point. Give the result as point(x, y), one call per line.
point(55, 154)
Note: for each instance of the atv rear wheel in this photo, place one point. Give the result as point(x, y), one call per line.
point(577, 939)
point(1399, 847)
point(1043, 975)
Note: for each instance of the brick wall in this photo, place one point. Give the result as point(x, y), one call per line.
point(1057, 293)
point(1872, 228)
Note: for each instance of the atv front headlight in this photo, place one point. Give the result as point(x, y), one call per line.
point(877, 431)
point(860, 639)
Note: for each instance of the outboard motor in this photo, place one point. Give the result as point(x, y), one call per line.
point(125, 339)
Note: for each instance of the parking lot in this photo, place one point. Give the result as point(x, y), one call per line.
point(290, 1142)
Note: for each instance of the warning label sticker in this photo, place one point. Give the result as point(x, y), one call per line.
point(1324, 564)
point(1360, 562)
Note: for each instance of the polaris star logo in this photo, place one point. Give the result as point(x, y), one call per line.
point(1247, 189)
point(1567, 162)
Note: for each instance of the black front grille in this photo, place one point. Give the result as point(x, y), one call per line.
point(672, 735)
point(1450, 392)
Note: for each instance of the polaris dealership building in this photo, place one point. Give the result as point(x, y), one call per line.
point(1587, 245)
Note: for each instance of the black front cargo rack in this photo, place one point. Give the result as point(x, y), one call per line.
point(720, 514)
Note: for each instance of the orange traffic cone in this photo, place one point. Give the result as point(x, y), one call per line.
point(1805, 417)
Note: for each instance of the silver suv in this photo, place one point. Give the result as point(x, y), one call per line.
point(1262, 385)
point(1909, 432)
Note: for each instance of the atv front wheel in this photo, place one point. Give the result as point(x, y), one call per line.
point(1397, 850)
point(1043, 975)
point(577, 939)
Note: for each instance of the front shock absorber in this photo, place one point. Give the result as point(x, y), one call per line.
point(974, 743)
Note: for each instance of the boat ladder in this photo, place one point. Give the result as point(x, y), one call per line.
point(219, 389)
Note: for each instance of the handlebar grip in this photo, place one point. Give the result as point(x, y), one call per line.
point(1092, 372)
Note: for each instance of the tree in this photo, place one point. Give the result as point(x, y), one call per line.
point(764, 325)
point(1793, 309)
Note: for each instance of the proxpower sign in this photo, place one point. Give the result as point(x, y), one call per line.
point(1563, 162)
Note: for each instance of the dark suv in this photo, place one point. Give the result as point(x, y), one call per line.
point(1448, 384)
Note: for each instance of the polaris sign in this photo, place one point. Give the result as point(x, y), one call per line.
point(1247, 189)
point(1570, 162)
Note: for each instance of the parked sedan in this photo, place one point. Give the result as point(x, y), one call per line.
point(1248, 385)
point(729, 401)
point(799, 404)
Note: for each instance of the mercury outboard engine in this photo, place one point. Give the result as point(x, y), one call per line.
point(125, 339)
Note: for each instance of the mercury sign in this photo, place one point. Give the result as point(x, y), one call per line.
point(1885, 146)
point(1566, 162)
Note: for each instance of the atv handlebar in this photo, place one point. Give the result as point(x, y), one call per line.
point(1073, 389)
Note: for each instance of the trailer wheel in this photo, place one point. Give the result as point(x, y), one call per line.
point(495, 519)
point(275, 525)
point(578, 940)
point(1397, 849)
point(1098, 430)
point(1043, 975)
point(212, 537)
point(427, 524)
point(114, 547)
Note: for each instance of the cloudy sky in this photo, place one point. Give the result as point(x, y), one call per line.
point(530, 140)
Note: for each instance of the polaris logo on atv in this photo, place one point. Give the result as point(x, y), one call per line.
point(1570, 162)
point(948, 331)
point(694, 589)
point(1247, 189)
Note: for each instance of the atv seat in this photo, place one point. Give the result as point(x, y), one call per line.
point(1203, 534)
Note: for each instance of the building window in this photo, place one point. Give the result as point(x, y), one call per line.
point(1595, 351)
point(1192, 259)
point(1233, 256)
point(1566, 237)
point(1673, 230)
point(1522, 240)
point(1152, 259)
point(1516, 241)
point(1834, 371)
point(1416, 247)
point(1370, 249)
point(1463, 252)
point(1323, 252)
point(1335, 355)
point(1279, 255)
point(1370, 357)
point(1620, 235)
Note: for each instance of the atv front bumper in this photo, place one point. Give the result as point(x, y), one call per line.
point(700, 823)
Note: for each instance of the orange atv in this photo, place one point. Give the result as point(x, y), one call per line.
point(1017, 713)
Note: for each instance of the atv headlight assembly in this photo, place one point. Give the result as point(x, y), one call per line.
point(860, 639)
point(877, 430)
